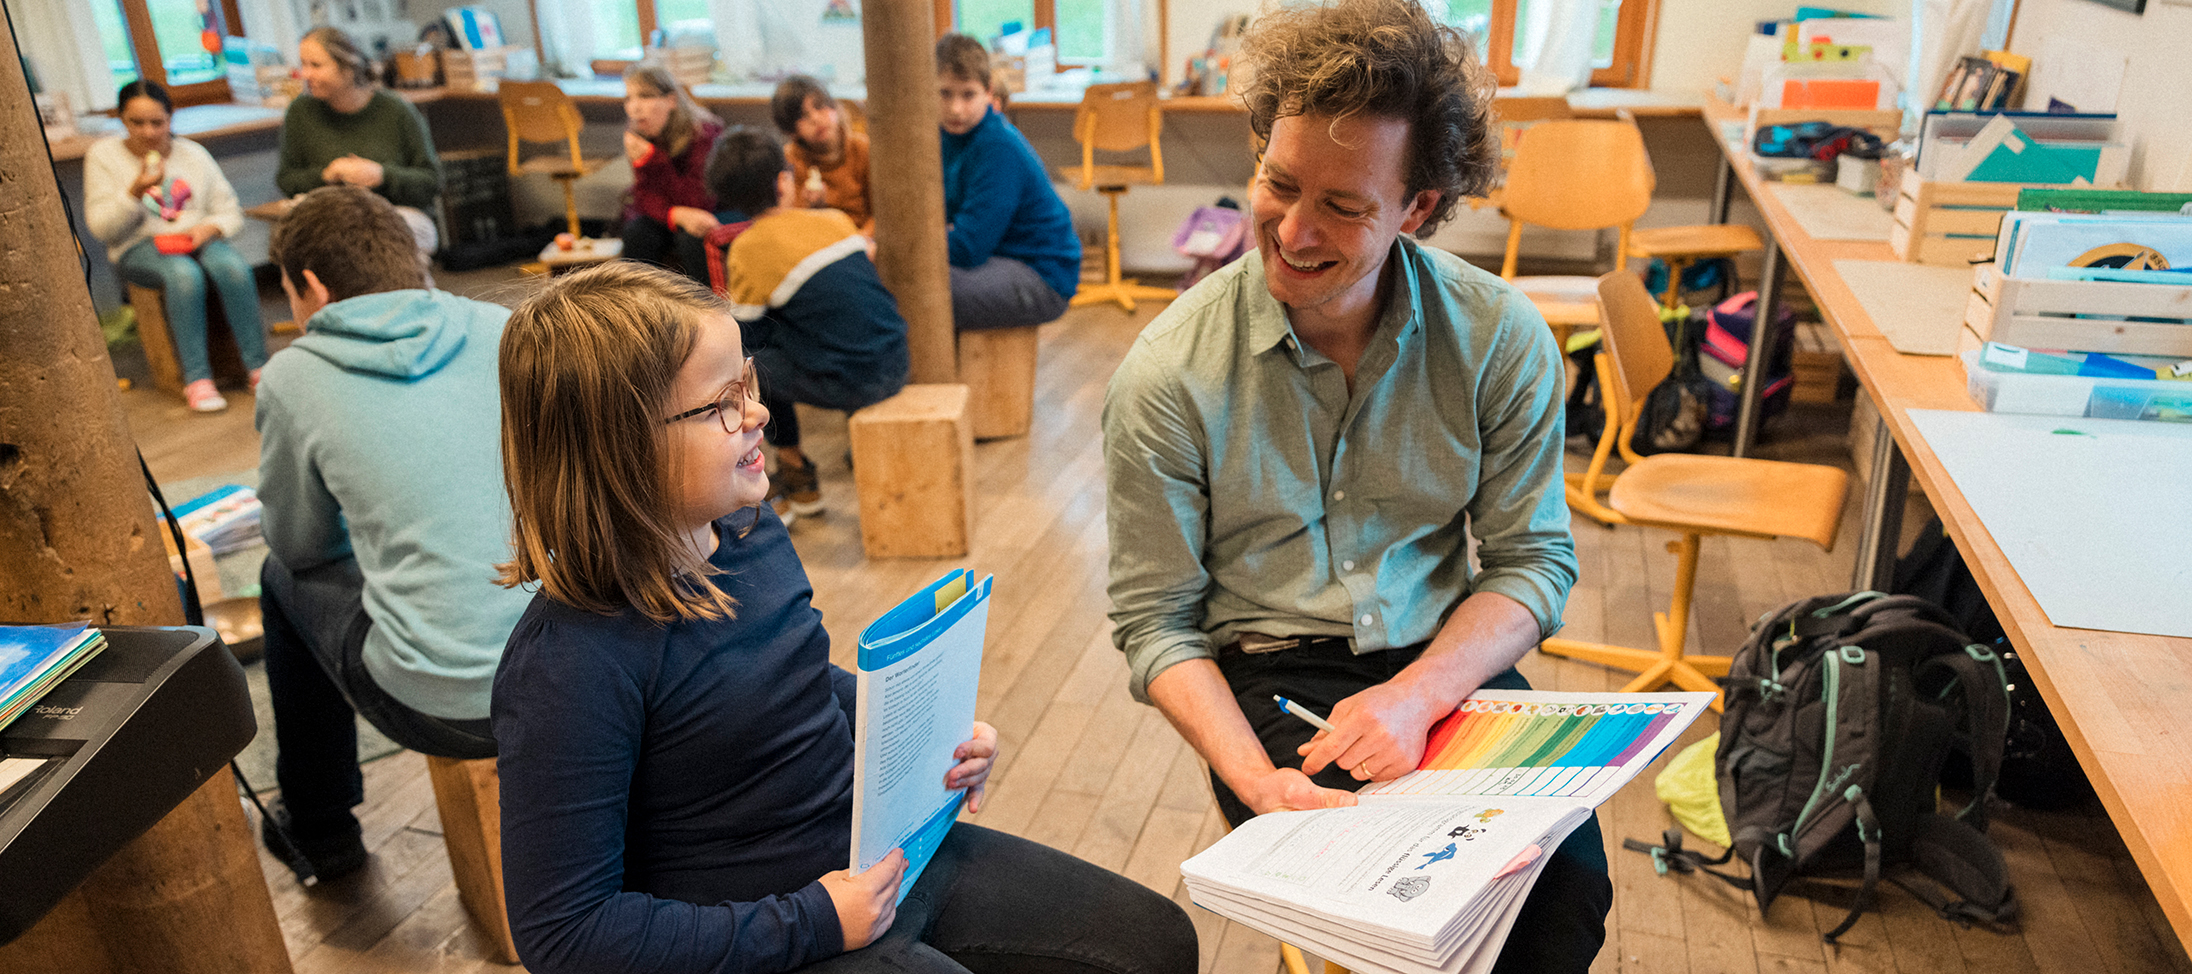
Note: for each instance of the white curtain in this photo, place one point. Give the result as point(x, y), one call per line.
point(764, 38)
point(1553, 45)
point(274, 23)
point(1944, 30)
point(567, 33)
point(62, 42)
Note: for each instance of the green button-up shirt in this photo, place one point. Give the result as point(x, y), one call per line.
point(1250, 491)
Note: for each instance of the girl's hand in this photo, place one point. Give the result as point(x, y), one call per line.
point(152, 173)
point(972, 771)
point(866, 902)
point(693, 220)
point(636, 148)
point(200, 234)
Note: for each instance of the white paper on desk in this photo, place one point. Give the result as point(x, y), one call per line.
point(1919, 307)
point(1829, 212)
point(918, 669)
point(2091, 513)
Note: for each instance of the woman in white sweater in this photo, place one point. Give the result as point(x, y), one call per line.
point(163, 209)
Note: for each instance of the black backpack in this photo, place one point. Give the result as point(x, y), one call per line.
point(1840, 709)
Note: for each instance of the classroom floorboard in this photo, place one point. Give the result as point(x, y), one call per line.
point(1087, 770)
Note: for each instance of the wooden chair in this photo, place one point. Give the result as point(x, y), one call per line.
point(538, 111)
point(1574, 174)
point(1118, 118)
point(1688, 494)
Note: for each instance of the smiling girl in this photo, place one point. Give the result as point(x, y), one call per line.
point(675, 745)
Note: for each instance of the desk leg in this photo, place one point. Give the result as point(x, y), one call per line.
point(1762, 339)
point(1723, 189)
point(1883, 513)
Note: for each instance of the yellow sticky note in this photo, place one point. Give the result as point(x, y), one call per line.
point(950, 593)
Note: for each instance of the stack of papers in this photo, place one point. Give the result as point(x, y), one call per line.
point(35, 659)
point(1430, 870)
point(225, 519)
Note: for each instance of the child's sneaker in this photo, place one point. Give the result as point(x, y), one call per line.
point(798, 489)
point(203, 398)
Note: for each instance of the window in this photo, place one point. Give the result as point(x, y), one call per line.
point(1082, 28)
point(166, 41)
point(1617, 44)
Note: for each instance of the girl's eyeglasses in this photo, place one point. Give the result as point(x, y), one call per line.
point(733, 407)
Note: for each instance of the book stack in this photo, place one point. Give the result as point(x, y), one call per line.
point(1429, 871)
point(226, 519)
point(35, 659)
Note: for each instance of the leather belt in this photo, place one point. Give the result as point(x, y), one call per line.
point(1256, 643)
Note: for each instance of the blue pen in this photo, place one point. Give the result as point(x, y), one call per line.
point(1303, 712)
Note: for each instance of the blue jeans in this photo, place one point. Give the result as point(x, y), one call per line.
point(991, 903)
point(315, 672)
point(783, 384)
point(1002, 293)
point(182, 279)
point(1563, 920)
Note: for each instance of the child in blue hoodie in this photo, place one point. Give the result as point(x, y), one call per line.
point(1015, 260)
point(380, 475)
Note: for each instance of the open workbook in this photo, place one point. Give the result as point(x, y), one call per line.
point(1429, 870)
point(918, 668)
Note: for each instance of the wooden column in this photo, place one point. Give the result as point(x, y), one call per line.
point(77, 542)
point(908, 180)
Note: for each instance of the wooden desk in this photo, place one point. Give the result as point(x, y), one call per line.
point(2119, 697)
point(195, 122)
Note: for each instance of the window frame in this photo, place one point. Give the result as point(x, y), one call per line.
point(1631, 67)
point(145, 48)
point(1045, 17)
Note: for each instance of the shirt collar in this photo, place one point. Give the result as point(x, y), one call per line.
point(1268, 327)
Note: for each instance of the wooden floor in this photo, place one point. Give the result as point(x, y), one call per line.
point(1087, 770)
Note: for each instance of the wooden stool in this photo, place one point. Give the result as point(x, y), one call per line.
point(469, 796)
point(998, 367)
point(167, 369)
point(913, 463)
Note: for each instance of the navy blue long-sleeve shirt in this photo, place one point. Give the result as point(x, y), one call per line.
point(999, 203)
point(671, 794)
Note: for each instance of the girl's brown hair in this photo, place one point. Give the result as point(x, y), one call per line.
point(685, 119)
point(345, 52)
point(587, 366)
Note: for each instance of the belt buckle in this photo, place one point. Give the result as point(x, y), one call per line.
point(1256, 642)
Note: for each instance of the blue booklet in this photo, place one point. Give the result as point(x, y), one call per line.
point(33, 659)
point(918, 667)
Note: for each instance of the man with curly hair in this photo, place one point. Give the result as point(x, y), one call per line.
point(1299, 448)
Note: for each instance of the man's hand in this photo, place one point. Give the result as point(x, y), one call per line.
point(1378, 734)
point(1288, 790)
point(866, 902)
point(693, 220)
point(972, 771)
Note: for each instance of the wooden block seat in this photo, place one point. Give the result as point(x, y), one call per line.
point(468, 794)
point(167, 368)
point(1692, 496)
point(913, 464)
point(998, 367)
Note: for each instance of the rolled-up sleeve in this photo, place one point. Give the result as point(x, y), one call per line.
point(1159, 502)
point(1520, 511)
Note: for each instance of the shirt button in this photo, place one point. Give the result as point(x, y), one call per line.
point(1339, 495)
point(1366, 620)
point(1347, 566)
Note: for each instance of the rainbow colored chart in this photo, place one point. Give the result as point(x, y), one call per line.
point(1545, 743)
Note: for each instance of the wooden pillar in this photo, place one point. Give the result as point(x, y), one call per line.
point(908, 180)
point(77, 542)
